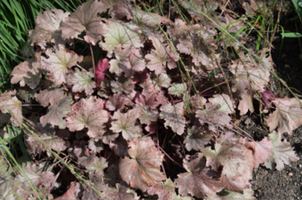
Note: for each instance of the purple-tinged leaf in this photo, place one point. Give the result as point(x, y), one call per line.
point(95, 147)
point(59, 62)
point(49, 96)
point(97, 166)
point(267, 98)
point(196, 139)
point(283, 153)
point(85, 19)
point(160, 57)
point(237, 162)
point(47, 25)
point(27, 73)
point(120, 192)
point(214, 115)
point(81, 81)
point(152, 96)
point(262, 150)
point(44, 140)
point(71, 193)
point(101, 70)
point(38, 177)
point(122, 85)
point(125, 123)
point(117, 102)
point(231, 195)
point(109, 136)
point(11, 105)
point(196, 180)
point(142, 169)
point(128, 60)
point(120, 34)
point(164, 191)
point(286, 117)
point(88, 113)
point(145, 115)
point(146, 18)
point(174, 117)
point(121, 10)
point(225, 102)
point(57, 112)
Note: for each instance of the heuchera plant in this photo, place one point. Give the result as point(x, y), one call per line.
point(142, 118)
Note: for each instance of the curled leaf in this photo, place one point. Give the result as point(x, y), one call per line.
point(101, 70)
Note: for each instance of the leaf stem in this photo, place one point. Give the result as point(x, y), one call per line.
point(92, 58)
point(169, 156)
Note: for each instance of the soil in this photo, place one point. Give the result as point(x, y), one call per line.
point(273, 184)
point(286, 184)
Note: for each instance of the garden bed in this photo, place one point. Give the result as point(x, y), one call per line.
point(128, 103)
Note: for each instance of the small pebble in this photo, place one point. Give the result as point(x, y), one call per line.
point(290, 174)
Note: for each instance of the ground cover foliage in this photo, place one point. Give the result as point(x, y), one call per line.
point(118, 102)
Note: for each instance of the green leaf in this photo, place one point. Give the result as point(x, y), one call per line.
point(291, 35)
point(178, 89)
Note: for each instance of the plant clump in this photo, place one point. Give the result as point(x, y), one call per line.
point(148, 110)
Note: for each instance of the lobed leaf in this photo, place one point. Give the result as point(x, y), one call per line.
point(119, 192)
point(121, 10)
point(97, 166)
point(262, 150)
point(286, 117)
point(49, 96)
point(230, 195)
point(178, 89)
point(127, 60)
point(27, 73)
point(10, 104)
point(214, 115)
point(59, 62)
point(81, 81)
point(88, 113)
point(196, 139)
point(125, 123)
point(237, 162)
point(71, 193)
point(44, 140)
point(38, 177)
point(146, 18)
point(160, 57)
point(283, 153)
point(120, 34)
point(47, 28)
point(146, 115)
point(196, 181)
point(166, 191)
point(174, 117)
point(117, 102)
point(142, 169)
point(57, 112)
point(85, 19)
